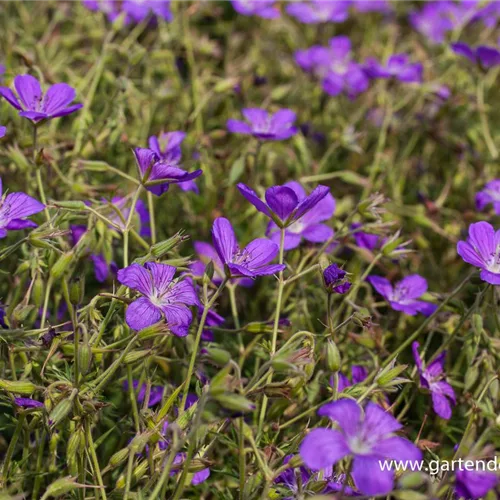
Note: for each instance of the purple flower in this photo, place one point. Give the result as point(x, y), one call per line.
point(432, 377)
point(288, 206)
point(334, 279)
point(482, 250)
point(434, 20)
point(37, 106)
point(207, 253)
point(252, 261)
point(2, 317)
point(138, 10)
point(371, 5)
point(403, 296)
point(483, 56)
point(3, 131)
point(489, 194)
point(261, 8)
point(28, 403)
point(168, 147)
point(162, 297)
point(265, 126)
point(319, 11)
point(213, 319)
point(334, 67)
point(14, 208)
point(366, 240)
point(368, 437)
point(397, 66)
point(358, 374)
point(305, 220)
point(198, 477)
point(123, 205)
point(475, 483)
point(155, 394)
point(151, 165)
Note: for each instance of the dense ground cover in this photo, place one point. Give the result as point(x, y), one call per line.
point(248, 249)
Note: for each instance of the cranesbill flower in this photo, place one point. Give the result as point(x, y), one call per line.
point(334, 279)
point(306, 220)
point(368, 437)
point(124, 205)
point(155, 394)
point(168, 147)
point(28, 403)
point(358, 374)
point(472, 484)
point(14, 208)
point(319, 11)
point(434, 20)
point(432, 377)
point(334, 66)
point(252, 261)
point(371, 5)
point(159, 172)
point(397, 66)
point(138, 10)
point(207, 253)
point(264, 125)
point(37, 106)
point(198, 477)
point(489, 194)
point(369, 241)
point(162, 297)
point(482, 249)
point(3, 131)
point(3, 324)
point(403, 296)
point(288, 206)
point(260, 8)
point(483, 56)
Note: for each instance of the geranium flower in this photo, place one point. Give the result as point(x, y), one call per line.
point(334, 279)
point(162, 297)
point(265, 126)
point(28, 403)
point(472, 484)
point(288, 206)
point(3, 131)
point(135, 11)
point(168, 147)
point(486, 57)
point(155, 393)
point(334, 66)
point(319, 11)
point(368, 437)
point(403, 296)
point(489, 194)
point(14, 208)
point(482, 250)
point(252, 261)
point(397, 66)
point(433, 378)
point(37, 106)
point(261, 8)
point(148, 162)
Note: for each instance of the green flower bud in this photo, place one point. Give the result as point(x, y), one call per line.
point(234, 402)
point(77, 290)
point(333, 360)
point(216, 355)
point(134, 356)
point(118, 458)
point(62, 264)
point(62, 409)
point(61, 487)
point(23, 387)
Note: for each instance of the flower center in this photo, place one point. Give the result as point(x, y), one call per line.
point(359, 446)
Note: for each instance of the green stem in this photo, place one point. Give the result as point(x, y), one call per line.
point(484, 121)
point(128, 224)
point(152, 219)
point(201, 325)
point(11, 448)
point(133, 400)
point(46, 302)
point(91, 447)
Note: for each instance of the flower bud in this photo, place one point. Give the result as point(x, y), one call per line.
point(216, 355)
point(335, 280)
point(61, 265)
point(137, 474)
point(37, 291)
point(389, 376)
point(163, 247)
point(18, 386)
point(72, 205)
point(62, 409)
point(333, 360)
point(134, 356)
point(61, 487)
point(84, 356)
point(118, 458)
point(234, 402)
point(77, 290)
